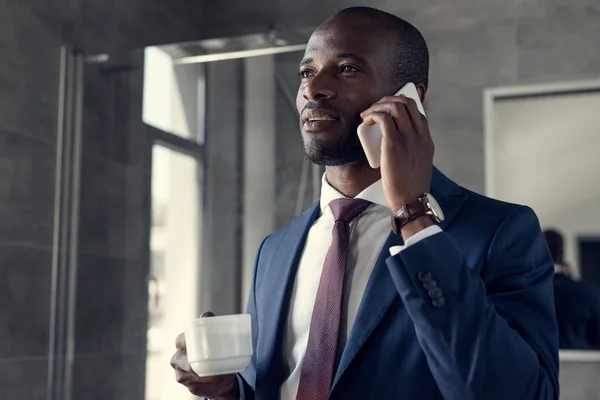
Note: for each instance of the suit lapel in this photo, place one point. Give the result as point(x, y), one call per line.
point(278, 283)
point(380, 292)
point(378, 297)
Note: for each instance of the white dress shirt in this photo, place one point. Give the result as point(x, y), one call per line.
point(368, 234)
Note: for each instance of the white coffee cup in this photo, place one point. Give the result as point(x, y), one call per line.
point(219, 345)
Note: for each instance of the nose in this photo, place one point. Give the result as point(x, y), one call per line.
point(318, 88)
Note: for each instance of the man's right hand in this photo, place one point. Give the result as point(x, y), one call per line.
point(223, 387)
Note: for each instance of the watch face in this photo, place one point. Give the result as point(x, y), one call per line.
point(435, 208)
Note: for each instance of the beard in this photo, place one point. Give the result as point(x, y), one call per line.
point(340, 149)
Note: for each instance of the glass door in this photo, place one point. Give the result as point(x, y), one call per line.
point(175, 247)
point(173, 97)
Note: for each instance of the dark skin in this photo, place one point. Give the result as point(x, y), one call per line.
point(345, 80)
point(223, 387)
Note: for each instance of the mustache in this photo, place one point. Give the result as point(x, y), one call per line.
point(319, 105)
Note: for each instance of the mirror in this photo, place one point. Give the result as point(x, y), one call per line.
point(541, 149)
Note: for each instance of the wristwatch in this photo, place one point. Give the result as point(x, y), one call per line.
point(424, 205)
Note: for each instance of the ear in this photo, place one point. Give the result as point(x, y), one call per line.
point(422, 91)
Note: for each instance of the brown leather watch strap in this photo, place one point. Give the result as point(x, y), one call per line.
point(409, 213)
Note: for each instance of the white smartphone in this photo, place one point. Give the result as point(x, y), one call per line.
point(370, 135)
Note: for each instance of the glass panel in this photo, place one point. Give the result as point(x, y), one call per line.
point(112, 271)
point(175, 261)
point(173, 95)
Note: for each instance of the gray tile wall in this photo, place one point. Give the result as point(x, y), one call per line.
point(112, 290)
point(223, 191)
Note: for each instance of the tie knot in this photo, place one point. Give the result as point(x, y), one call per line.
point(347, 209)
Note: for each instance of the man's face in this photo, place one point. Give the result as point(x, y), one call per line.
point(344, 71)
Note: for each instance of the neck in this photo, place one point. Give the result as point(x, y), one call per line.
point(352, 179)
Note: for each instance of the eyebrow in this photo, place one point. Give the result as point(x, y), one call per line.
point(350, 56)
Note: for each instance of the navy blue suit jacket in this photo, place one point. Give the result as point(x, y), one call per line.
point(493, 336)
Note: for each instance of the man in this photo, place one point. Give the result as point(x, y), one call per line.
point(577, 304)
point(349, 303)
point(556, 245)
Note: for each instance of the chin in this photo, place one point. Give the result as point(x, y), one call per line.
point(331, 154)
point(330, 134)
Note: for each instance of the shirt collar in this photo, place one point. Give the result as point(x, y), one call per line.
point(373, 193)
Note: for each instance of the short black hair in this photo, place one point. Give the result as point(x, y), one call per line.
point(410, 55)
point(556, 244)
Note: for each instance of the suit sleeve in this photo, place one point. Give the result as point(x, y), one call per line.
point(492, 340)
point(247, 379)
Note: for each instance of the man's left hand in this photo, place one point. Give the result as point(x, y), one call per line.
point(406, 149)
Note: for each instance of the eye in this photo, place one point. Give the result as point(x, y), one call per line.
point(349, 69)
point(305, 74)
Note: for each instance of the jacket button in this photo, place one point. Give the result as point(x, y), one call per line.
point(425, 276)
point(439, 302)
point(430, 284)
point(435, 293)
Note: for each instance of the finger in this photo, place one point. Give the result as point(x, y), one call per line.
point(399, 113)
point(418, 120)
point(211, 386)
point(385, 122)
point(180, 361)
point(185, 377)
point(207, 390)
point(213, 379)
point(180, 342)
point(198, 389)
point(390, 99)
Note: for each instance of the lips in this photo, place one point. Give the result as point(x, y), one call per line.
point(315, 119)
point(321, 125)
point(319, 115)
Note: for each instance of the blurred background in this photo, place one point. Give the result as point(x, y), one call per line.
point(147, 148)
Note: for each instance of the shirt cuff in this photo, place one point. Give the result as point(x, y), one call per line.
point(414, 239)
point(241, 386)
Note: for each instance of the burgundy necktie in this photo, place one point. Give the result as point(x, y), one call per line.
point(318, 368)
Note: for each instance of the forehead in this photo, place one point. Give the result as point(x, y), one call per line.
point(359, 36)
